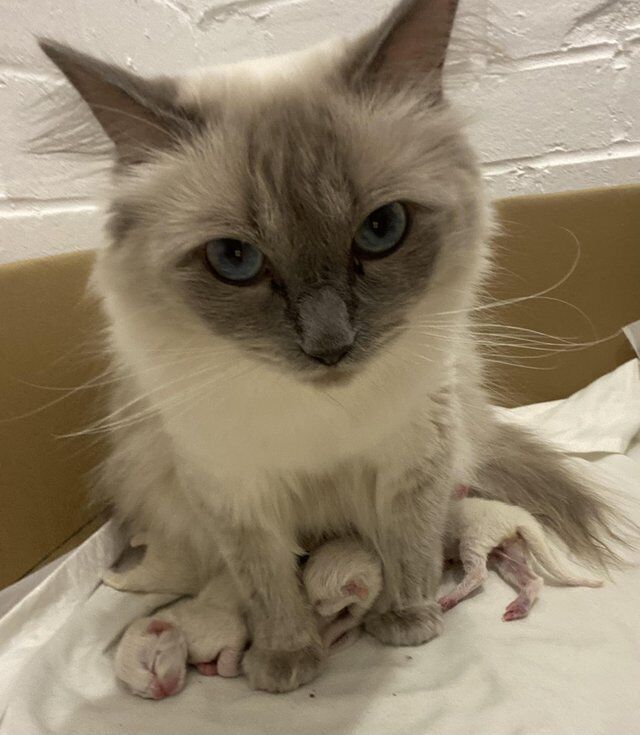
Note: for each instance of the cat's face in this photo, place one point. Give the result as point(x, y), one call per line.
point(303, 216)
point(303, 230)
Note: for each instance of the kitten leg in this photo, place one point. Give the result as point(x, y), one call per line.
point(213, 628)
point(286, 650)
point(342, 580)
point(475, 574)
point(512, 564)
point(409, 540)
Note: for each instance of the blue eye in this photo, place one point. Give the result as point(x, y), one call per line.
point(234, 261)
point(382, 231)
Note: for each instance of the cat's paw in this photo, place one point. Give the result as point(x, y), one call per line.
point(151, 659)
point(410, 626)
point(282, 671)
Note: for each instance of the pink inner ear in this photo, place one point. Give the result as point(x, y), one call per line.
point(158, 626)
point(460, 492)
point(420, 37)
point(354, 588)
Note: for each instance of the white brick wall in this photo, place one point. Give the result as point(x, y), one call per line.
point(553, 87)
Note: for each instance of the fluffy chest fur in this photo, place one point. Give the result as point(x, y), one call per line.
point(250, 442)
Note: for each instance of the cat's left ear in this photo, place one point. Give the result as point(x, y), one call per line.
point(140, 115)
point(408, 48)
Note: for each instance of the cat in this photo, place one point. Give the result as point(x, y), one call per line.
point(297, 249)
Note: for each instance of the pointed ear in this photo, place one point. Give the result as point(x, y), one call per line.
point(139, 115)
point(409, 47)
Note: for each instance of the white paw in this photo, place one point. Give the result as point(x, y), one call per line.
point(151, 659)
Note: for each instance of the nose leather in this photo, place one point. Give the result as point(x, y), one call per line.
point(326, 332)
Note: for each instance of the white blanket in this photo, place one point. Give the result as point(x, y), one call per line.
point(573, 666)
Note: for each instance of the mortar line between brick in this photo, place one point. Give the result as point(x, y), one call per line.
point(9, 210)
point(613, 152)
point(562, 57)
point(12, 71)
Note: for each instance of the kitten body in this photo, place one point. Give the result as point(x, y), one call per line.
point(479, 529)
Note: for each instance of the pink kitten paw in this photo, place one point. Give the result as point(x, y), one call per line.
point(516, 611)
point(227, 665)
point(447, 603)
point(209, 668)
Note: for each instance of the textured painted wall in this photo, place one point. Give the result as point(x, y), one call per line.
point(552, 88)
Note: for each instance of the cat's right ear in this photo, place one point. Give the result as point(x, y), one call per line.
point(407, 49)
point(139, 115)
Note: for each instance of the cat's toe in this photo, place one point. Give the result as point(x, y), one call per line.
point(151, 659)
point(282, 671)
point(410, 626)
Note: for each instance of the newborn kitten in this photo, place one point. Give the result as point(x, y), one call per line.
point(341, 580)
point(297, 246)
point(479, 529)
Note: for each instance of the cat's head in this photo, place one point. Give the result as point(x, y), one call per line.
point(309, 209)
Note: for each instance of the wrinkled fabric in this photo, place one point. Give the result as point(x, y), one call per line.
point(572, 666)
point(603, 417)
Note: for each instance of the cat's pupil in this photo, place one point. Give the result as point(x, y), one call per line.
point(379, 222)
point(233, 260)
point(234, 253)
point(382, 230)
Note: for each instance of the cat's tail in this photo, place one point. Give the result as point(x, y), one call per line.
point(520, 469)
point(548, 558)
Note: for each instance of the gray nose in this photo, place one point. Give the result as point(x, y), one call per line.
point(331, 356)
point(326, 333)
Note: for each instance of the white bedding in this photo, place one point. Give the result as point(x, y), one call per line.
point(573, 666)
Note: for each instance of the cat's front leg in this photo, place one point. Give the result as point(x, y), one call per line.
point(286, 650)
point(410, 534)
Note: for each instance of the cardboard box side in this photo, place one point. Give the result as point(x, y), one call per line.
point(50, 342)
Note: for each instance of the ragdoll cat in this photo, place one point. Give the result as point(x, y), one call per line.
point(297, 249)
